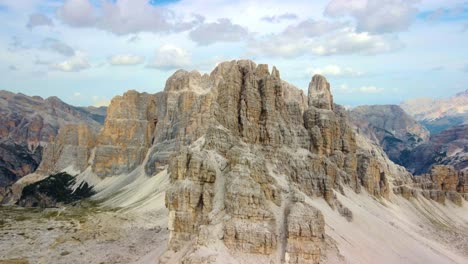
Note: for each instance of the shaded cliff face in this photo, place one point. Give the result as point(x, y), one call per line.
point(450, 147)
point(391, 127)
point(244, 152)
point(27, 124)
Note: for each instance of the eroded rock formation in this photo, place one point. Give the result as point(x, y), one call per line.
point(28, 124)
point(245, 153)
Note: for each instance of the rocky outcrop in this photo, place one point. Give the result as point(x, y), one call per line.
point(441, 183)
point(449, 147)
point(71, 150)
point(127, 134)
point(245, 154)
point(391, 127)
point(27, 124)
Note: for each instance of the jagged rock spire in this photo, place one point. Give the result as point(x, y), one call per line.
point(319, 93)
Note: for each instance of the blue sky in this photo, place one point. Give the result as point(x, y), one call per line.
point(372, 51)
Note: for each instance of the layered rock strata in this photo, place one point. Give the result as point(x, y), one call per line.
point(28, 124)
point(441, 183)
point(241, 147)
point(245, 153)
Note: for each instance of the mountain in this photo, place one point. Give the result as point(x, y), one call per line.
point(439, 114)
point(27, 124)
point(391, 127)
point(408, 143)
point(239, 166)
point(449, 147)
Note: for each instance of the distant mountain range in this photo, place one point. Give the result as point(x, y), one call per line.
point(391, 127)
point(403, 132)
point(235, 166)
point(28, 123)
point(439, 114)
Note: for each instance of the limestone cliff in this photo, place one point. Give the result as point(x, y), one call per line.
point(242, 148)
point(28, 124)
point(245, 153)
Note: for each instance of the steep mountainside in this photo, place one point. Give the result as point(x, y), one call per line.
point(27, 124)
point(438, 115)
point(407, 143)
point(242, 167)
point(391, 127)
point(450, 147)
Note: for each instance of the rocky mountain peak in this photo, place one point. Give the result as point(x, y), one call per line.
point(319, 93)
point(240, 158)
point(27, 124)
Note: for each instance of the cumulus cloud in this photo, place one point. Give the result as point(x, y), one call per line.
point(335, 70)
point(169, 57)
point(349, 42)
point(344, 41)
point(375, 16)
point(124, 17)
point(57, 46)
point(311, 28)
point(37, 20)
point(363, 89)
point(125, 60)
point(222, 30)
point(280, 18)
point(77, 13)
point(76, 63)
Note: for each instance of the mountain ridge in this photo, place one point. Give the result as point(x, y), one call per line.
point(240, 166)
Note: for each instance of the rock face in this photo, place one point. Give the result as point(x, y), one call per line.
point(245, 153)
point(391, 127)
point(442, 182)
point(126, 136)
point(70, 151)
point(243, 149)
point(27, 124)
point(449, 147)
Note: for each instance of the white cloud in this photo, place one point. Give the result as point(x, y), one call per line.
point(77, 94)
point(375, 16)
point(311, 28)
point(280, 18)
point(348, 42)
point(124, 17)
point(363, 89)
point(344, 41)
point(99, 101)
point(124, 60)
point(370, 89)
point(38, 19)
point(169, 57)
point(73, 64)
point(222, 30)
point(335, 70)
point(77, 13)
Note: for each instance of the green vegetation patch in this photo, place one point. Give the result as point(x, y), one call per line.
point(57, 188)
